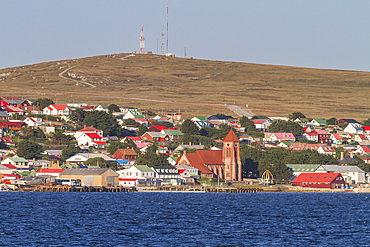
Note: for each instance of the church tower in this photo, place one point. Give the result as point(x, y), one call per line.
point(231, 158)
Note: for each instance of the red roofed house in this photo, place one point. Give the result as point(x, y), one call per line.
point(261, 124)
point(7, 140)
point(361, 139)
point(366, 129)
point(155, 137)
point(319, 180)
point(91, 139)
point(224, 163)
point(362, 150)
point(336, 139)
point(279, 137)
point(132, 138)
point(125, 154)
point(141, 121)
point(49, 172)
point(88, 129)
point(12, 125)
point(13, 110)
point(57, 110)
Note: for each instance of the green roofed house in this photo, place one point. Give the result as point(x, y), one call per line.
point(133, 114)
point(318, 122)
point(259, 117)
point(199, 119)
point(174, 134)
point(303, 168)
point(20, 163)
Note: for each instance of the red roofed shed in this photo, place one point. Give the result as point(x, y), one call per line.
point(319, 180)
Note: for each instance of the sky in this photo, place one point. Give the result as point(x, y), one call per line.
point(330, 34)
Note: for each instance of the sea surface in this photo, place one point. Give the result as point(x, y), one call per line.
point(184, 219)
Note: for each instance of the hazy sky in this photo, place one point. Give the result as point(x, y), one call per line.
point(308, 33)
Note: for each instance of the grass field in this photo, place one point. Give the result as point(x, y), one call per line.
point(196, 87)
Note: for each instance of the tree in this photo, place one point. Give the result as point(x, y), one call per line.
point(189, 127)
point(247, 124)
point(152, 159)
point(104, 121)
point(32, 133)
point(332, 121)
point(78, 116)
point(29, 149)
point(42, 103)
point(113, 108)
point(142, 129)
point(294, 115)
point(102, 163)
point(131, 122)
point(286, 127)
point(69, 151)
point(58, 138)
point(366, 122)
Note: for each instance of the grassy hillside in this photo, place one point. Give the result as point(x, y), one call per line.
point(193, 86)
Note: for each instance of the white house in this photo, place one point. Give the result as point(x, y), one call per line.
point(282, 137)
point(103, 108)
point(354, 128)
point(34, 121)
point(82, 157)
point(351, 174)
point(49, 172)
point(261, 124)
point(133, 114)
point(88, 129)
point(57, 110)
point(91, 140)
point(136, 175)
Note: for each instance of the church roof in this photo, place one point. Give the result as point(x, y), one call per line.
point(231, 137)
point(195, 161)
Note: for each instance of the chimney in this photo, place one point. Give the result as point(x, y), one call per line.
point(184, 152)
point(351, 155)
point(85, 126)
point(342, 155)
point(189, 143)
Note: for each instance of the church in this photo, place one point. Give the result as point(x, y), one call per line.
point(224, 163)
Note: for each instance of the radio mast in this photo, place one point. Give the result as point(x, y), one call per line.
point(142, 41)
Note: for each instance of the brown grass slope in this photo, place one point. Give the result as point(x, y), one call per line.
point(193, 86)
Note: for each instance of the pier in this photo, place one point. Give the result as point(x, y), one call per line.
point(61, 188)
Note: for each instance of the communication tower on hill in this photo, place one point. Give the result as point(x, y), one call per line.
point(142, 41)
point(162, 42)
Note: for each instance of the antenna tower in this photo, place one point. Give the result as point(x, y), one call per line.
point(142, 41)
point(162, 42)
point(167, 28)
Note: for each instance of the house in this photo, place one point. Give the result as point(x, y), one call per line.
point(141, 121)
point(132, 138)
point(47, 129)
point(155, 137)
point(318, 122)
point(88, 129)
point(362, 150)
point(194, 119)
point(182, 147)
point(19, 163)
point(319, 180)
point(125, 154)
point(192, 171)
point(361, 139)
point(142, 146)
point(92, 177)
point(225, 163)
point(297, 169)
point(13, 101)
point(7, 169)
point(324, 149)
point(354, 128)
point(4, 115)
point(347, 121)
point(57, 110)
point(103, 108)
point(262, 124)
point(185, 175)
point(320, 136)
point(32, 110)
point(43, 164)
point(246, 138)
point(366, 130)
point(312, 136)
point(8, 141)
point(12, 125)
point(82, 157)
point(91, 140)
point(221, 118)
point(49, 172)
point(137, 175)
point(173, 134)
point(34, 121)
point(167, 174)
point(13, 110)
point(279, 137)
point(336, 139)
point(133, 114)
point(351, 174)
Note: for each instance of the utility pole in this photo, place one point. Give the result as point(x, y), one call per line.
point(167, 27)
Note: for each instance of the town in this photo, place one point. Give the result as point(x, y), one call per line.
point(107, 146)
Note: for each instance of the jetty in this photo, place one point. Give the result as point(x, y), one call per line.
point(62, 188)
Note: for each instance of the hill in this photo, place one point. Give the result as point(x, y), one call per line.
point(193, 86)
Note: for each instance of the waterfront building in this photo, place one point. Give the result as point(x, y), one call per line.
point(319, 180)
point(92, 176)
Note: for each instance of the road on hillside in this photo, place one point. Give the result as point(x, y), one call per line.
point(240, 111)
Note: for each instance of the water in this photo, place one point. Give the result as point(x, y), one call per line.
point(184, 219)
